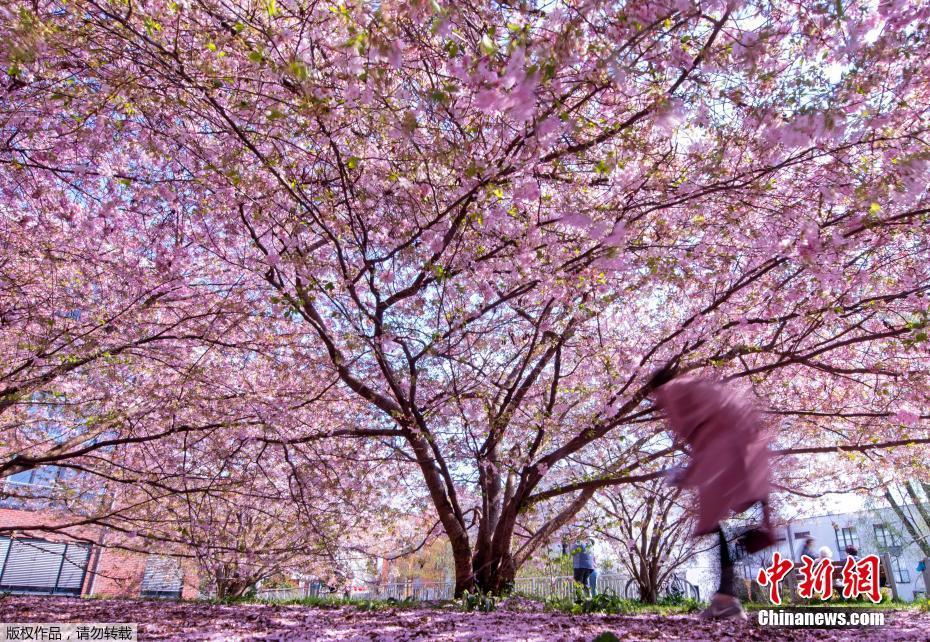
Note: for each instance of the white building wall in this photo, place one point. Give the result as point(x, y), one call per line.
point(827, 530)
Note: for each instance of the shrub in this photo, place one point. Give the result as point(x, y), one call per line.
point(478, 601)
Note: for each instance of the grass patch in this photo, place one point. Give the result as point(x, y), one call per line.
point(612, 604)
point(334, 603)
point(478, 601)
point(606, 603)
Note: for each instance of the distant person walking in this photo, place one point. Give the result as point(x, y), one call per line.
point(729, 466)
point(807, 549)
point(583, 563)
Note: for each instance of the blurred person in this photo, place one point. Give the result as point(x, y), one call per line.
point(592, 582)
point(807, 549)
point(582, 562)
point(826, 554)
point(728, 467)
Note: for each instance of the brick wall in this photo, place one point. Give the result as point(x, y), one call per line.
point(117, 574)
point(191, 588)
point(20, 520)
point(111, 572)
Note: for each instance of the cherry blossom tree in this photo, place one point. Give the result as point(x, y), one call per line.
point(649, 526)
point(914, 518)
point(256, 520)
point(477, 227)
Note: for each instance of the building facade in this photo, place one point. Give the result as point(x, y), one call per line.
point(876, 531)
point(76, 561)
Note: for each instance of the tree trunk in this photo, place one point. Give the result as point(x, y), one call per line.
point(484, 564)
point(232, 588)
point(493, 562)
point(911, 529)
point(449, 515)
point(504, 577)
point(918, 503)
point(491, 565)
point(649, 592)
point(462, 557)
point(464, 578)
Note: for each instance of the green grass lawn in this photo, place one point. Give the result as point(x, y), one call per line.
point(576, 605)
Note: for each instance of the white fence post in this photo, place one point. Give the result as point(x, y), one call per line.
point(539, 587)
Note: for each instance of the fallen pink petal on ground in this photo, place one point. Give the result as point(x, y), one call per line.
point(162, 621)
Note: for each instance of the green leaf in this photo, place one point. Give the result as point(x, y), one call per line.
point(151, 25)
point(487, 45)
point(298, 70)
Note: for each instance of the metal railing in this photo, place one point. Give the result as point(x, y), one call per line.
point(539, 587)
point(283, 594)
point(619, 584)
point(546, 587)
point(411, 590)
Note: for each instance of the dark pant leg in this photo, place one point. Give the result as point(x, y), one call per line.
point(726, 566)
point(582, 575)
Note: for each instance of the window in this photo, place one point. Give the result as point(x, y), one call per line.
point(163, 577)
point(848, 537)
point(31, 489)
point(739, 551)
point(901, 575)
point(24, 477)
point(802, 535)
point(884, 536)
point(41, 476)
point(38, 566)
